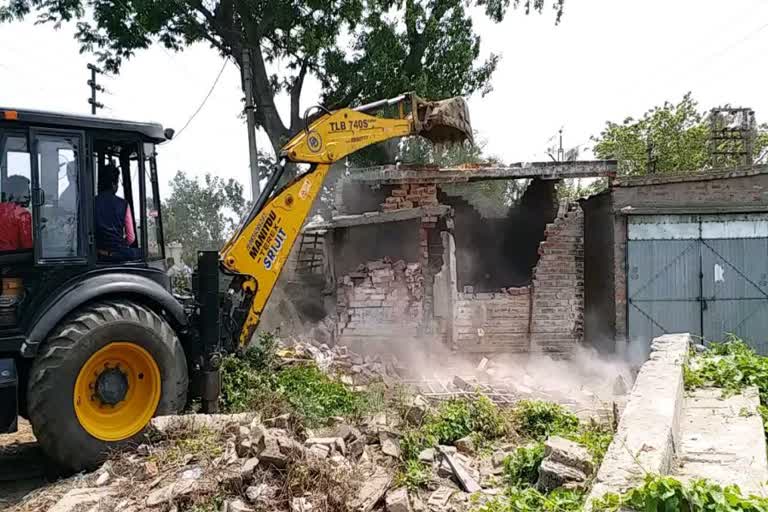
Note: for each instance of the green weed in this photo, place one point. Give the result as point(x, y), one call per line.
point(538, 420)
point(413, 475)
point(521, 468)
point(528, 499)
point(316, 397)
point(663, 493)
point(732, 366)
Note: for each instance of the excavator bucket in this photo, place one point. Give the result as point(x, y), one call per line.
point(445, 121)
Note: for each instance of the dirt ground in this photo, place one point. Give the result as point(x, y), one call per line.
point(22, 465)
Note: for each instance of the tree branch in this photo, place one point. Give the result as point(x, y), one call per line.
point(298, 85)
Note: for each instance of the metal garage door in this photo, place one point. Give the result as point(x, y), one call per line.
point(703, 274)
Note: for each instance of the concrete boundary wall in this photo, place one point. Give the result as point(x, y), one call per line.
point(647, 437)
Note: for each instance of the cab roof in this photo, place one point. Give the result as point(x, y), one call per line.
point(151, 131)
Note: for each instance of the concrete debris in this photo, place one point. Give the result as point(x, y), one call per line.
point(283, 421)
point(76, 499)
point(172, 491)
point(192, 474)
point(248, 467)
point(371, 492)
point(569, 453)
point(390, 444)
point(255, 493)
point(427, 455)
point(466, 445)
point(463, 384)
point(418, 406)
point(553, 475)
point(319, 451)
point(397, 500)
point(339, 360)
point(460, 473)
point(192, 422)
point(237, 505)
point(103, 479)
point(566, 464)
point(439, 499)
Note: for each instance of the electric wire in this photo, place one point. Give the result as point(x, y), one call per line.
point(205, 100)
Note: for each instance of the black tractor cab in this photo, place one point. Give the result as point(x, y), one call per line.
point(53, 259)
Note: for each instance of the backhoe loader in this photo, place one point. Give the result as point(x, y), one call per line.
point(91, 348)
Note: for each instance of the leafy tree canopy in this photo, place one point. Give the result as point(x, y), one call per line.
point(671, 138)
point(201, 216)
point(359, 49)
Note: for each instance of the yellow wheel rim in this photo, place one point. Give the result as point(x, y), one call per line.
point(117, 391)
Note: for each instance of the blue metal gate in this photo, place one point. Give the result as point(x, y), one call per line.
point(703, 274)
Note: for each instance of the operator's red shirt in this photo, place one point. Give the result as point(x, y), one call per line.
point(15, 227)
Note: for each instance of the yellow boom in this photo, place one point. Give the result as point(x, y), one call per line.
point(259, 248)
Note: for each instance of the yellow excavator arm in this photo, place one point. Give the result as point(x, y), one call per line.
point(259, 248)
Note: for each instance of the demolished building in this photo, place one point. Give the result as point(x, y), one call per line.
point(482, 259)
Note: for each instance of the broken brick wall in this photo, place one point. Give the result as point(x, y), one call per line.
point(557, 322)
point(495, 253)
point(410, 196)
point(360, 244)
point(546, 316)
point(380, 302)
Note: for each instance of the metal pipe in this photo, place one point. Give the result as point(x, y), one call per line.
point(380, 103)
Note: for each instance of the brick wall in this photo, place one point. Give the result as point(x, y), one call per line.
point(547, 316)
point(410, 196)
point(379, 302)
point(735, 188)
point(492, 322)
point(557, 322)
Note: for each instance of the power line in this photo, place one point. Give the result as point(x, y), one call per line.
point(192, 117)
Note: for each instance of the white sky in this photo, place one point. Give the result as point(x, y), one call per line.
point(606, 60)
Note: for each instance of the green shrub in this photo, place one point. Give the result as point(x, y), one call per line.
point(459, 418)
point(521, 468)
point(732, 366)
point(412, 442)
point(595, 438)
point(664, 493)
point(538, 420)
point(413, 475)
point(316, 397)
point(528, 499)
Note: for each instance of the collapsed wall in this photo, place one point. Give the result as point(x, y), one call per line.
point(546, 316)
point(512, 283)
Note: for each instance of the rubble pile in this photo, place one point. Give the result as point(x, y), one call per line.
point(243, 464)
point(601, 399)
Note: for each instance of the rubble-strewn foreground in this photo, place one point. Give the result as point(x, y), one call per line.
point(314, 429)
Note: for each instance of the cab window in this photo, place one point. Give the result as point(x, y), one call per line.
point(57, 197)
point(15, 192)
point(126, 158)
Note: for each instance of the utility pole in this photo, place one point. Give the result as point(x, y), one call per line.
point(251, 121)
point(94, 88)
point(560, 154)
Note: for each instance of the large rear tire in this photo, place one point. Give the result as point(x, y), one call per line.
point(99, 379)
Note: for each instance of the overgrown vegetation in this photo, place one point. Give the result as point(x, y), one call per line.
point(255, 382)
point(453, 420)
point(536, 421)
point(530, 500)
point(522, 467)
point(663, 493)
point(413, 475)
point(732, 365)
